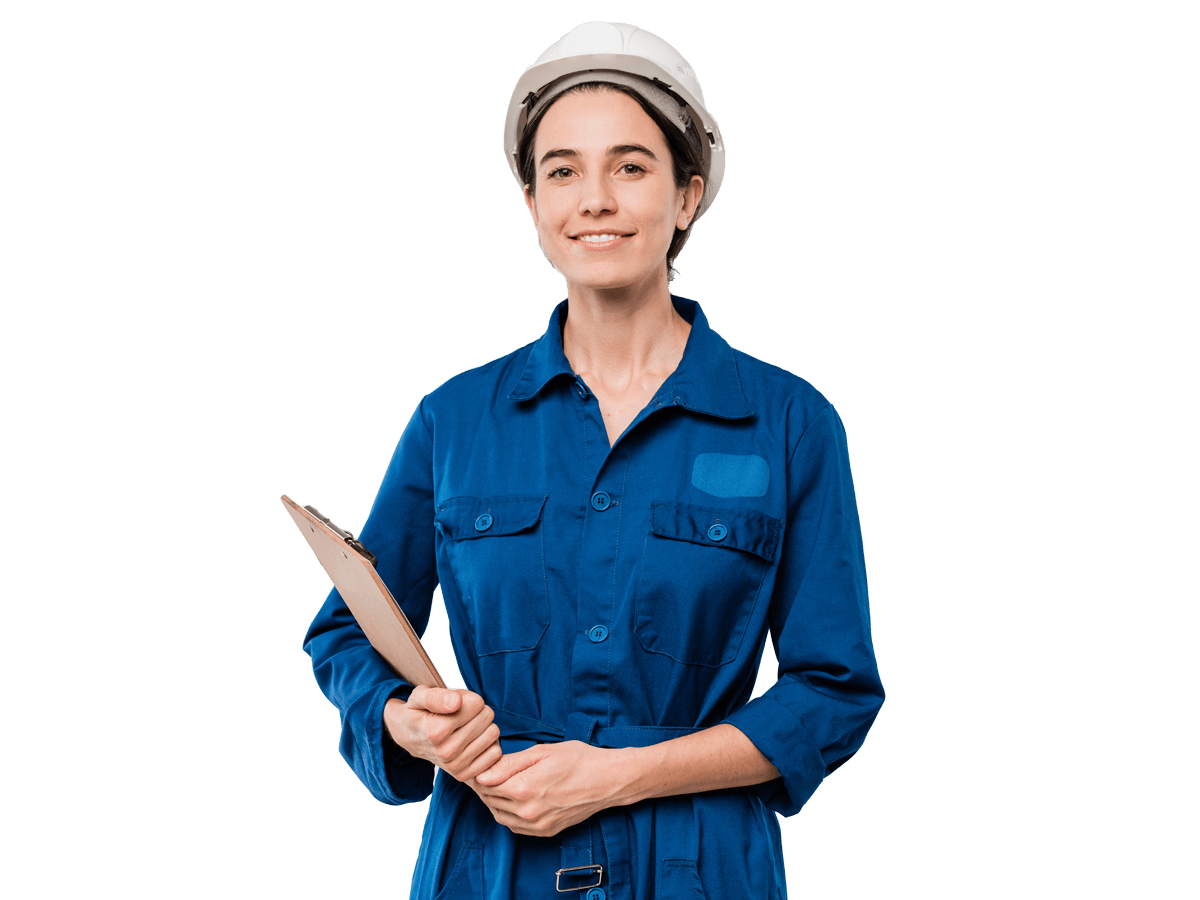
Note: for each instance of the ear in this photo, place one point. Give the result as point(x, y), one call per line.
point(531, 202)
point(691, 201)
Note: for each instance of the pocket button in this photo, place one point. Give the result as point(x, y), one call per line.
point(717, 533)
point(484, 522)
point(601, 501)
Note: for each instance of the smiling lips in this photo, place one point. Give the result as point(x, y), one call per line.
point(595, 240)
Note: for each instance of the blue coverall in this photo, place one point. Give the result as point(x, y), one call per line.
point(620, 596)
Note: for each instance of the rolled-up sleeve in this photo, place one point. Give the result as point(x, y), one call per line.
point(828, 693)
point(399, 531)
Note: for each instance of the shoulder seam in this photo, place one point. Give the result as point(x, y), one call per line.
point(828, 407)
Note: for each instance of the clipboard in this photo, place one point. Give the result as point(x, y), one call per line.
point(374, 608)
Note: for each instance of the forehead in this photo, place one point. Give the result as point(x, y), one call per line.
point(593, 121)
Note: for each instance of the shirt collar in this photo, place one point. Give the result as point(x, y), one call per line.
point(706, 380)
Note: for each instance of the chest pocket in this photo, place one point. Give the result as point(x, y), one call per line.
point(497, 554)
point(702, 571)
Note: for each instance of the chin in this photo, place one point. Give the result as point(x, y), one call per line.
point(608, 278)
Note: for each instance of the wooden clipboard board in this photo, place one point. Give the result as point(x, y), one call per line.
point(373, 606)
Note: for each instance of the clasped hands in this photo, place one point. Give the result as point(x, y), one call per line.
point(538, 791)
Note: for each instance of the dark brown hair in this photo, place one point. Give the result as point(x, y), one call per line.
point(687, 158)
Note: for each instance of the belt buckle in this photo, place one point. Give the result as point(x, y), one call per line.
point(599, 870)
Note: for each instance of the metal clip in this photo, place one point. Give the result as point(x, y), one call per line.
point(599, 870)
point(345, 536)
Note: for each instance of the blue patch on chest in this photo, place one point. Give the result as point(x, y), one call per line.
point(731, 475)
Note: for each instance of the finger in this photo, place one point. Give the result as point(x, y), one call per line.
point(444, 702)
point(484, 753)
point(459, 702)
point(416, 697)
point(470, 703)
point(508, 766)
point(519, 825)
point(460, 747)
point(440, 701)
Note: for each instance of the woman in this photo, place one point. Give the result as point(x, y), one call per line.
point(618, 514)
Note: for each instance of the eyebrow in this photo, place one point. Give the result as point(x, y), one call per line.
point(618, 150)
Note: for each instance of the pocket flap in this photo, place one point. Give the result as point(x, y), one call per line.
point(745, 530)
point(466, 518)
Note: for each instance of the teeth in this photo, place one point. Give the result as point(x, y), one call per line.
point(597, 238)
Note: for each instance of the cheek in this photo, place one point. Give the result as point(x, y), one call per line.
point(664, 218)
point(665, 209)
point(549, 212)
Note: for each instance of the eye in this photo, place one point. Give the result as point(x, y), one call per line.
point(631, 169)
point(560, 172)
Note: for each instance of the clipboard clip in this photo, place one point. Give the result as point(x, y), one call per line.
point(345, 536)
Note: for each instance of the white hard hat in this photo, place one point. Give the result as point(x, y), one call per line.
point(612, 52)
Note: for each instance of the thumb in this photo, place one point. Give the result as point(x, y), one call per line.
point(435, 700)
point(508, 766)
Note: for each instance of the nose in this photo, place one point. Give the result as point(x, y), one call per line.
point(596, 196)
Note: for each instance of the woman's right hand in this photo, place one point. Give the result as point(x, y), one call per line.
point(451, 729)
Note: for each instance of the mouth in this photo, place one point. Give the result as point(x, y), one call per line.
point(600, 240)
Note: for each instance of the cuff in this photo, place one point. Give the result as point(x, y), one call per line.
point(401, 777)
point(782, 738)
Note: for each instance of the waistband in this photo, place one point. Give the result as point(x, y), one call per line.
point(518, 732)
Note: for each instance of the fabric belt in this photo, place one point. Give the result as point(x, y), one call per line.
point(518, 732)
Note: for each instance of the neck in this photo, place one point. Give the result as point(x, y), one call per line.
point(625, 332)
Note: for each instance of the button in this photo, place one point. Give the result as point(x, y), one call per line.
point(601, 501)
point(484, 522)
point(595, 894)
point(717, 533)
point(597, 633)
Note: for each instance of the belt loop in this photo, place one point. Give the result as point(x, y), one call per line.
point(580, 727)
point(578, 855)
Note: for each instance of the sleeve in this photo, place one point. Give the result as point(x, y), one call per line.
point(828, 693)
point(400, 532)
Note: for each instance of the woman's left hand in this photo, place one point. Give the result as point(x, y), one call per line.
point(549, 787)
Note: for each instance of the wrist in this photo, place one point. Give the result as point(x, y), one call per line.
point(393, 709)
point(633, 771)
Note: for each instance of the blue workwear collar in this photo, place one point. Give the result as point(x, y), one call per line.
point(706, 380)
